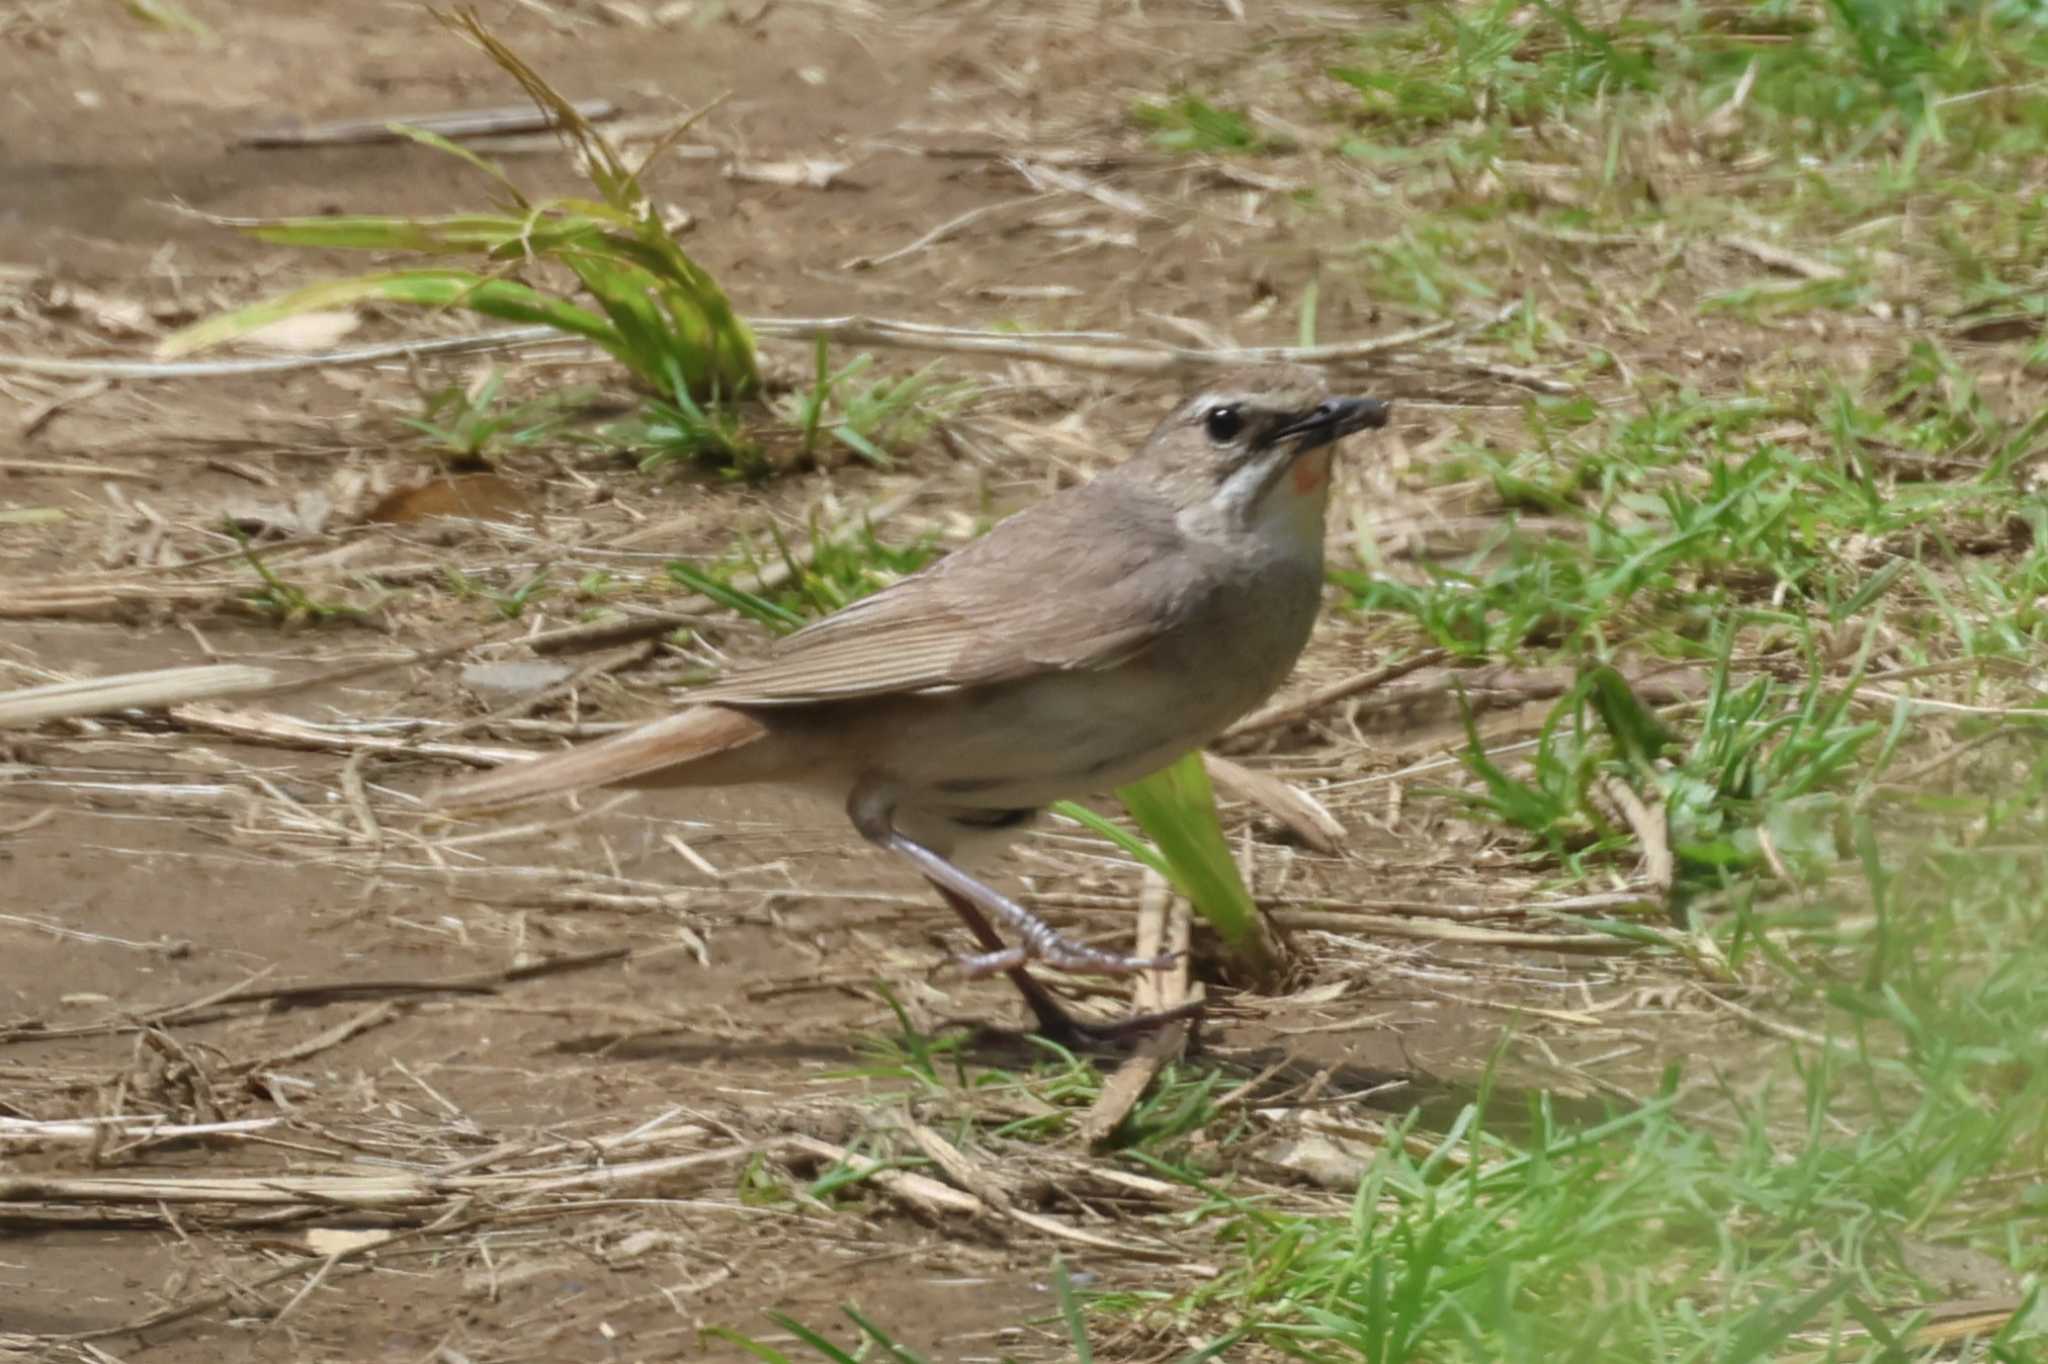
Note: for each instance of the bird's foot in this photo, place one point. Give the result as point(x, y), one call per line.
point(1063, 954)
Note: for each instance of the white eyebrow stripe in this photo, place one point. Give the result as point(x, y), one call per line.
point(1202, 402)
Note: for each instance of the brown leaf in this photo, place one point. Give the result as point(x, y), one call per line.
point(487, 497)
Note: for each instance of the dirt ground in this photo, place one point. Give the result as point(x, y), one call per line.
point(150, 864)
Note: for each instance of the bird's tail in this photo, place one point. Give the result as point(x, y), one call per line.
point(664, 752)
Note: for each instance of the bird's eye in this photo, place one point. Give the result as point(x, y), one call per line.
point(1223, 424)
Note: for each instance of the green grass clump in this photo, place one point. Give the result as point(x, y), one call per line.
point(1460, 63)
point(1684, 510)
point(1188, 123)
point(479, 424)
point(1886, 142)
point(608, 271)
point(676, 429)
point(841, 569)
point(1176, 808)
point(1686, 533)
point(283, 601)
point(871, 416)
point(656, 311)
point(1765, 761)
point(1834, 78)
point(1767, 1221)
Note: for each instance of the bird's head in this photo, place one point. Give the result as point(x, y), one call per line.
point(1240, 454)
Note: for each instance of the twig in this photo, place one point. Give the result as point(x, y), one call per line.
point(1778, 258)
point(928, 1192)
point(480, 983)
point(210, 1007)
point(951, 227)
point(290, 732)
point(510, 118)
point(616, 661)
point(391, 1190)
point(1302, 813)
point(1913, 777)
point(1432, 930)
point(1162, 925)
point(47, 412)
point(373, 1017)
point(1651, 830)
point(130, 1128)
point(1100, 351)
point(1123, 355)
point(1273, 717)
point(959, 1168)
point(1055, 179)
point(1771, 1027)
point(54, 469)
point(56, 930)
point(22, 826)
point(207, 1304)
point(505, 339)
point(916, 1189)
point(144, 690)
point(357, 794)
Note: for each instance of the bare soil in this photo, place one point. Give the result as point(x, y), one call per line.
point(146, 863)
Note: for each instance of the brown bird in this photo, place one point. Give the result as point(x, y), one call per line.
point(1081, 644)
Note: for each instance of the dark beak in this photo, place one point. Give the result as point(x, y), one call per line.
point(1331, 420)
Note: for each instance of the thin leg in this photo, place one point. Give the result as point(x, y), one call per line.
point(1054, 1022)
point(871, 808)
point(1042, 942)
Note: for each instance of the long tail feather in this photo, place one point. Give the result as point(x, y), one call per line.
point(663, 747)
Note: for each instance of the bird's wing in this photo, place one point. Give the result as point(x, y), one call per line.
point(1039, 594)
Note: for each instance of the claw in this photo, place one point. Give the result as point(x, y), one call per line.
point(1083, 960)
point(1058, 952)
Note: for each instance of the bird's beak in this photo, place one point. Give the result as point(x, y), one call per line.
point(1331, 420)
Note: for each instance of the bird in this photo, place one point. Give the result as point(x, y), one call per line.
point(1080, 644)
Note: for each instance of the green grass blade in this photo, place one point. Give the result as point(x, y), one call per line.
point(1176, 807)
point(812, 1339)
point(507, 300)
point(753, 1347)
point(902, 1354)
point(1215, 1348)
point(489, 169)
point(448, 234)
point(758, 608)
point(1070, 1313)
point(862, 446)
point(1136, 847)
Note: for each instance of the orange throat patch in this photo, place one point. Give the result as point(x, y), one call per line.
point(1311, 471)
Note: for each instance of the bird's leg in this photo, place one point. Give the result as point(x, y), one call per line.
point(871, 807)
point(1042, 942)
point(1054, 1022)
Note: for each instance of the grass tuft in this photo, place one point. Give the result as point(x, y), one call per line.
point(656, 311)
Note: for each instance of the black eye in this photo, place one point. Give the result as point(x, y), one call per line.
point(1223, 424)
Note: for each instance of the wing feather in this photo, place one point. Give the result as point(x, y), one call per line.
point(1046, 591)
